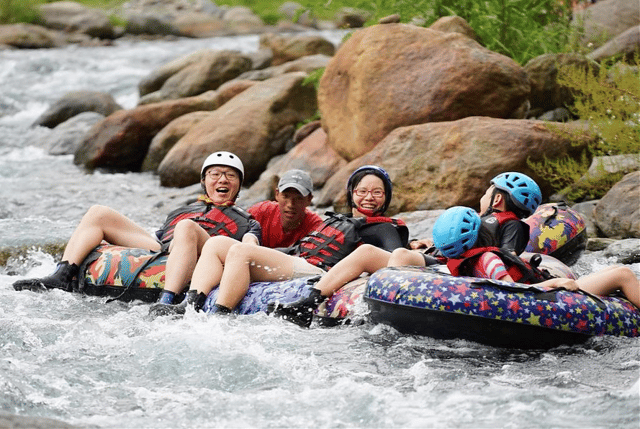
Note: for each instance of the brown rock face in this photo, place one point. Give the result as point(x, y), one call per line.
point(255, 125)
point(618, 212)
point(122, 139)
point(439, 165)
point(394, 75)
point(287, 49)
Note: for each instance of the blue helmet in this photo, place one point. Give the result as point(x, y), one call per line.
point(380, 172)
point(456, 231)
point(523, 190)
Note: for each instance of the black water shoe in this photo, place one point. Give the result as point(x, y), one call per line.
point(64, 277)
point(299, 312)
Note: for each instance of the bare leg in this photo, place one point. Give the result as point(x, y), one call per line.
point(188, 240)
point(404, 257)
point(611, 279)
point(246, 263)
point(102, 223)
point(365, 259)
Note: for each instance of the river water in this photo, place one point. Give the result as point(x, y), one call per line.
point(93, 364)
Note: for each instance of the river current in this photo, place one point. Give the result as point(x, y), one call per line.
point(92, 364)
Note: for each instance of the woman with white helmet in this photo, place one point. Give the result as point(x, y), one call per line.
point(183, 234)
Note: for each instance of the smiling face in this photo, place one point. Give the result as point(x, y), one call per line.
point(368, 195)
point(221, 183)
point(292, 207)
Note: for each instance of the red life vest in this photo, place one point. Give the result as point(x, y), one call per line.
point(230, 221)
point(336, 238)
point(519, 270)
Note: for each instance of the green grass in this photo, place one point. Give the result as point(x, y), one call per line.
point(520, 29)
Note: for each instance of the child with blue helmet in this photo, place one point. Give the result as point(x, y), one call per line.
point(510, 197)
point(457, 235)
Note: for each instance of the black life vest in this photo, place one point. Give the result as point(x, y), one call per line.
point(231, 221)
point(492, 223)
point(519, 270)
point(336, 238)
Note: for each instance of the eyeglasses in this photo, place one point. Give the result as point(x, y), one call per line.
point(375, 193)
point(217, 174)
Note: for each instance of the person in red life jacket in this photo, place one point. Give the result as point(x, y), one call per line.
point(510, 197)
point(287, 219)
point(184, 233)
point(461, 237)
point(234, 265)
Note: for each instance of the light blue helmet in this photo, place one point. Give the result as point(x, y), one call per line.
point(456, 231)
point(523, 190)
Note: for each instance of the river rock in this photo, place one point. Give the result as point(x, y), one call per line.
point(168, 137)
point(154, 81)
point(305, 64)
point(394, 75)
point(255, 125)
point(289, 48)
point(442, 164)
point(606, 19)
point(72, 16)
point(349, 17)
point(455, 24)
point(12, 421)
point(626, 251)
point(195, 24)
point(74, 103)
point(626, 44)
point(67, 137)
point(121, 140)
point(28, 36)
point(586, 209)
point(420, 222)
point(618, 212)
point(242, 20)
point(212, 69)
point(546, 93)
point(151, 23)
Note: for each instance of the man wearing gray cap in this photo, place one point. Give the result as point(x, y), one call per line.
point(287, 219)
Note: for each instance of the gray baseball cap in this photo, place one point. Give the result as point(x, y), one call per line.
point(296, 179)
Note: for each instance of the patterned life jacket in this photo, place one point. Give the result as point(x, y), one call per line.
point(519, 270)
point(336, 238)
point(231, 221)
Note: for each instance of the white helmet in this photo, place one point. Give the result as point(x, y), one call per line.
point(223, 158)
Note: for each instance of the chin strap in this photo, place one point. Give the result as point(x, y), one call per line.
point(367, 212)
point(205, 199)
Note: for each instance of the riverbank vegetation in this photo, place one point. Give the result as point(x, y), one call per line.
point(520, 29)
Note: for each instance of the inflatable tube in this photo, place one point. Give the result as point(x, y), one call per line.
point(128, 274)
point(426, 302)
point(557, 230)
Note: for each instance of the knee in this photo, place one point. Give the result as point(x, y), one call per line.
point(240, 251)
point(98, 214)
point(625, 275)
point(400, 257)
point(366, 250)
point(186, 229)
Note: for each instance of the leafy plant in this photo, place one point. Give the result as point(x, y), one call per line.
point(609, 101)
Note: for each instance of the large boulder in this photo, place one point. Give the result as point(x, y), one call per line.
point(72, 16)
point(67, 137)
point(606, 19)
point(255, 125)
point(289, 48)
point(120, 141)
point(618, 212)
point(74, 103)
point(208, 72)
point(626, 44)
point(394, 75)
point(442, 164)
point(546, 93)
point(28, 36)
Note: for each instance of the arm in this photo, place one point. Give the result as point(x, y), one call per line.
point(382, 235)
point(254, 234)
